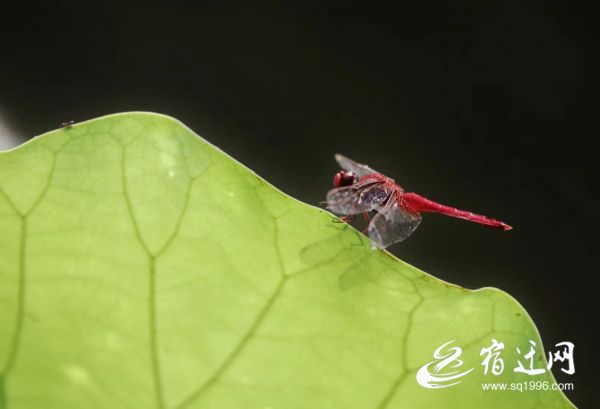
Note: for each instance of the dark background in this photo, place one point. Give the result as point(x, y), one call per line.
point(485, 105)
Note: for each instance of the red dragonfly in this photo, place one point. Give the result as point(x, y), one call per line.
point(360, 189)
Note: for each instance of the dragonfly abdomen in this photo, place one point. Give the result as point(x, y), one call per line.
point(422, 204)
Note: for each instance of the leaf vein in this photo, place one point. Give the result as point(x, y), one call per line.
point(15, 342)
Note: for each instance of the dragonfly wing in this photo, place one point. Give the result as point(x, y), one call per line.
point(349, 165)
point(392, 224)
point(361, 197)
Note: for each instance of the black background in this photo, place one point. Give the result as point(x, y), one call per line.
point(485, 105)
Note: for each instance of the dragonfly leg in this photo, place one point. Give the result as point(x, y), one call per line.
point(345, 219)
point(368, 220)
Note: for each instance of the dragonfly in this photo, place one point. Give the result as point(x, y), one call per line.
point(360, 189)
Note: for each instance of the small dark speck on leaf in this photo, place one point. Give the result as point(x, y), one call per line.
point(67, 124)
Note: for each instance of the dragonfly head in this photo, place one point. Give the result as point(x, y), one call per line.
point(344, 178)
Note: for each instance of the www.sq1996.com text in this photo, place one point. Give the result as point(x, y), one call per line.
point(528, 386)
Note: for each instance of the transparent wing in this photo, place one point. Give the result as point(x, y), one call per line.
point(363, 196)
point(392, 224)
point(349, 165)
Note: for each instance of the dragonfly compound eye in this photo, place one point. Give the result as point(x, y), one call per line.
point(343, 178)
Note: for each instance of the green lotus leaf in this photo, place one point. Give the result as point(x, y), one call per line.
point(141, 267)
